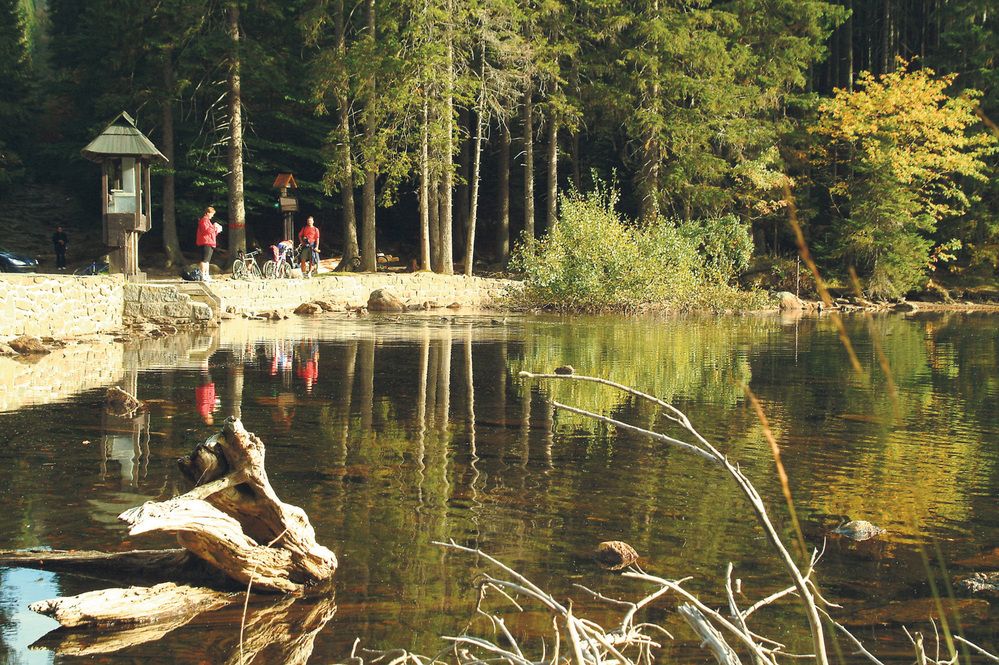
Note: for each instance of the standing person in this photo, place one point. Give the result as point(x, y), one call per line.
point(309, 235)
point(59, 242)
point(207, 233)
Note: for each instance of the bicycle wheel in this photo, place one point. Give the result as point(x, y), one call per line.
point(270, 269)
point(239, 269)
point(282, 271)
point(254, 271)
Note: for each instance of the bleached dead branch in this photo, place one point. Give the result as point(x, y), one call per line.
point(591, 644)
point(704, 449)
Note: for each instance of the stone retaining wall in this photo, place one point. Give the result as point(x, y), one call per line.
point(353, 290)
point(67, 306)
point(60, 305)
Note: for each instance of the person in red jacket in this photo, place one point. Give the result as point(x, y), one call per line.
point(205, 239)
point(309, 235)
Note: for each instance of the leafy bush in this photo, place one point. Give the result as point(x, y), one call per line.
point(900, 148)
point(592, 259)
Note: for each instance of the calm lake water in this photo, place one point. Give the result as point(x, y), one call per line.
point(393, 433)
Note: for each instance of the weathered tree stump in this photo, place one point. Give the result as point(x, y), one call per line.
point(232, 527)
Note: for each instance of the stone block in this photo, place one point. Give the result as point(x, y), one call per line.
point(150, 309)
point(132, 310)
point(177, 310)
point(159, 294)
point(200, 311)
point(132, 292)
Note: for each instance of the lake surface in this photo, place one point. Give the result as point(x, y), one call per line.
point(394, 432)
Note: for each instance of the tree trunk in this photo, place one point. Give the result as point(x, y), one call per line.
point(577, 159)
point(171, 242)
point(848, 48)
point(649, 180)
point(350, 248)
point(425, 189)
point(237, 213)
point(435, 225)
point(463, 188)
point(476, 162)
point(885, 36)
point(369, 251)
point(552, 202)
point(503, 225)
point(529, 164)
point(447, 216)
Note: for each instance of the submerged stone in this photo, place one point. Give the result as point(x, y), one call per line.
point(858, 530)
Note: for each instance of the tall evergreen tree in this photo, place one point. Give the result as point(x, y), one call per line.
point(15, 78)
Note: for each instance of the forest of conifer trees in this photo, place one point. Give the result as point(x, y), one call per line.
point(447, 131)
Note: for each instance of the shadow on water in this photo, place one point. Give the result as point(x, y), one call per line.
point(392, 433)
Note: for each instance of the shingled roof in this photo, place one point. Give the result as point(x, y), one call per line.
point(121, 138)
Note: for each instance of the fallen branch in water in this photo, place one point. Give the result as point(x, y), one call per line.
point(631, 642)
point(704, 449)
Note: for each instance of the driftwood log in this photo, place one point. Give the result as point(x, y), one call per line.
point(278, 630)
point(233, 529)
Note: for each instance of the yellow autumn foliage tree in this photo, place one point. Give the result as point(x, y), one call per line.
point(898, 148)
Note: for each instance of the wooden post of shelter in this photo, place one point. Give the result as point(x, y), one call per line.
point(125, 156)
point(287, 202)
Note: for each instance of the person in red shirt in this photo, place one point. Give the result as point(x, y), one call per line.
point(205, 239)
point(309, 235)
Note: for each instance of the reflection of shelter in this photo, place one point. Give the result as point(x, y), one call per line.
point(126, 436)
point(125, 156)
point(126, 441)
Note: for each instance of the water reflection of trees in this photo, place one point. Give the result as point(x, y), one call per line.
point(913, 461)
point(420, 430)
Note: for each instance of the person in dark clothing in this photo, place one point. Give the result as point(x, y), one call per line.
point(59, 242)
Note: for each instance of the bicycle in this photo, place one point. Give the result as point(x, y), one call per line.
point(99, 267)
point(280, 266)
point(310, 254)
point(245, 266)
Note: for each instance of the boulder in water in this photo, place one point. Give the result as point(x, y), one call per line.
point(27, 345)
point(788, 301)
point(383, 300)
point(308, 309)
point(615, 554)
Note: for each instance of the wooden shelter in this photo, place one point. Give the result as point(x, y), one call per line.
point(288, 202)
point(125, 156)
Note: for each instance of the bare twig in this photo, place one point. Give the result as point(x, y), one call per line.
point(710, 636)
point(975, 647)
point(708, 451)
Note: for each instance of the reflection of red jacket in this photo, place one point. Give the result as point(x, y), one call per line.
point(204, 399)
point(309, 370)
point(206, 232)
point(309, 234)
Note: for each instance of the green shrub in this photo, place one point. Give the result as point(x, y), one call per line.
point(592, 259)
